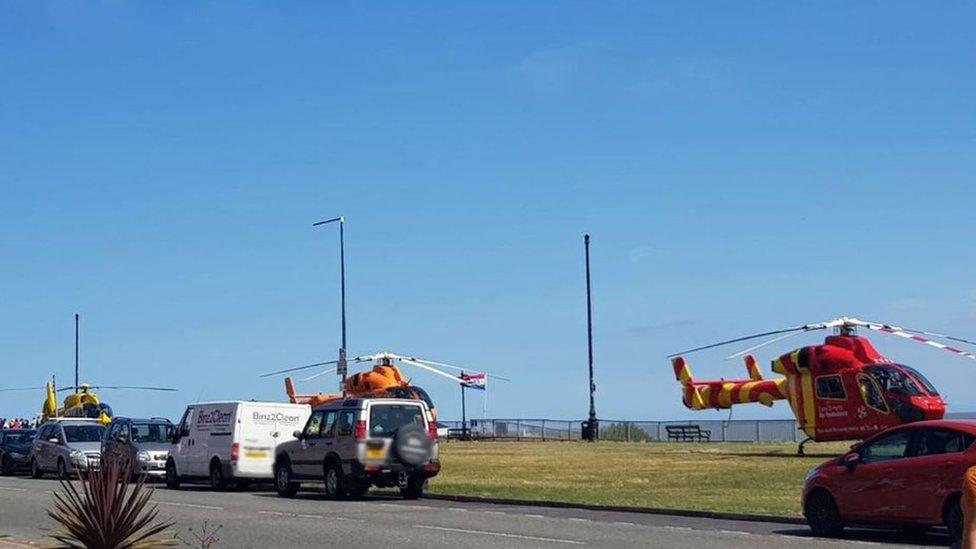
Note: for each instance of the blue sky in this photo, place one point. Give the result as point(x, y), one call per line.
point(740, 168)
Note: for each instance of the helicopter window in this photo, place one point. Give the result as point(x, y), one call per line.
point(83, 433)
point(894, 381)
point(888, 447)
point(871, 393)
point(831, 387)
point(424, 396)
point(921, 379)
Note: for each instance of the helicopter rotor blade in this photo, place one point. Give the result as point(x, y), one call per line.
point(804, 328)
point(306, 367)
point(124, 387)
point(765, 343)
point(443, 365)
point(22, 389)
point(432, 370)
point(914, 336)
point(320, 374)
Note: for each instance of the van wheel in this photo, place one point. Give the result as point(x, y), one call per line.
point(954, 520)
point(414, 488)
point(36, 471)
point(62, 469)
point(822, 514)
point(172, 479)
point(217, 480)
point(333, 480)
point(284, 484)
point(5, 468)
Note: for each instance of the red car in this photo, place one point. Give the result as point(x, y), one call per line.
point(909, 476)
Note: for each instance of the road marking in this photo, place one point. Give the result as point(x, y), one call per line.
point(500, 534)
point(624, 523)
point(300, 515)
point(578, 519)
point(13, 489)
point(534, 516)
point(457, 509)
point(734, 532)
point(192, 505)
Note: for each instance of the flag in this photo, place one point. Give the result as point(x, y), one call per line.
point(475, 381)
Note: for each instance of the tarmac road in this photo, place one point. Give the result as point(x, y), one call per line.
point(259, 518)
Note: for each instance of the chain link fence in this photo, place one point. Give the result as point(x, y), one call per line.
point(737, 430)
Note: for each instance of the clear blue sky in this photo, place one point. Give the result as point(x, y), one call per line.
point(740, 167)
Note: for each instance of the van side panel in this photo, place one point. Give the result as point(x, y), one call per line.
point(262, 426)
point(212, 434)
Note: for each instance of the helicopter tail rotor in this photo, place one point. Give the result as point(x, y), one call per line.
point(753, 368)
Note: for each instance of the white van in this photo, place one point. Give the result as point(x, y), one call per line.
point(235, 441)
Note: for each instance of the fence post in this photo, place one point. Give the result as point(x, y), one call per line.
point(757, 431)
point(543, 430)
point(518, 429)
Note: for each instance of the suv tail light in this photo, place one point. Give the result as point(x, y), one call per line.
point(235, 452)
point(360, 430)
point(432, 430)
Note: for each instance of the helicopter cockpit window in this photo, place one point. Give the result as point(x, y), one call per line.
point(831, 387)
point(424, 396)
point(921, 379)
point(871, 393)
point(893, 380)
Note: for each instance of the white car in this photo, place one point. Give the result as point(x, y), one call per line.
point(223, 442)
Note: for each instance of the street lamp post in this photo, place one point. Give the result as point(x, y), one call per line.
point(591, 427)
point(341, 369)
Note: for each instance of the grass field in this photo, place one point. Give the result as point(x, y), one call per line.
point(760, 479)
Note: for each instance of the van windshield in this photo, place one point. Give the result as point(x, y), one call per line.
point(152, 432)
point(83, 433)
point(386, 419)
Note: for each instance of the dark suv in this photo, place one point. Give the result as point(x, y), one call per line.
point(353, 444)
point(15, 450)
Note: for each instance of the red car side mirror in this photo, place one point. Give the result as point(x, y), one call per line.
point(851, 460)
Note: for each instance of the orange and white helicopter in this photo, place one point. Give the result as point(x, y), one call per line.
point(384, 380)
point(841, 390)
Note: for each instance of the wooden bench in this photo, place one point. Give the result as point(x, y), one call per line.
point(687, 433)
point(459, 434)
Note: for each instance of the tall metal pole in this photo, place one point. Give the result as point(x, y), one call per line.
point(76, 351)
point(464, 414)
point(592, 425)
point(342, 368)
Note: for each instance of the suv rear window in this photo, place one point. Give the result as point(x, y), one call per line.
point(385, 419)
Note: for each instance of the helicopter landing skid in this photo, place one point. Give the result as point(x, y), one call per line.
point(799, 451)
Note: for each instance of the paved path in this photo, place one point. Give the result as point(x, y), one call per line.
point(262, 519)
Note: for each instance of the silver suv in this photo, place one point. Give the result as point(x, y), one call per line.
point(144, 443)
point(66, 446)
point(353, 444)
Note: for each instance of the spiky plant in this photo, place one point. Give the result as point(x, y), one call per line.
point(109, 512)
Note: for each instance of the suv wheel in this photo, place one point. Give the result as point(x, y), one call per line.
point(172, 479)
point(36, 471)
point(284, 484)
point(333, 480)
point(217, 480)
point(5, 468)
point(954, 519)
point(414, 488)
point(822, 514)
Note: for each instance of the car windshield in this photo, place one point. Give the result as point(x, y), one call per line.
point(84, 433)
point(18, 438)
point(894, 381)
point(385, 419)
point(921, 379)
point(152, 432)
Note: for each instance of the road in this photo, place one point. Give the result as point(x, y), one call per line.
point(259, 518)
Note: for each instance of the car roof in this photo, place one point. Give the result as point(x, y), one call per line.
point(69, 420)
point(360, 403)
point(143, 420)
point(18, 431)
point(966, 425)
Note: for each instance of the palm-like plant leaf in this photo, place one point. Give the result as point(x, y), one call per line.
point(108, 512)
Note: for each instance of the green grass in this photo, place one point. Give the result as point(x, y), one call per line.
point(760, 479)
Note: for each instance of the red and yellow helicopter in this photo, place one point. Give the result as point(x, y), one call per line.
point(841, 390)
point(384, 380)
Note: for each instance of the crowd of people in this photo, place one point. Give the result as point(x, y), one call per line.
point(17, 423)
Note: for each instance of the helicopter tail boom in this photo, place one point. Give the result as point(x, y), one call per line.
point(702, 395)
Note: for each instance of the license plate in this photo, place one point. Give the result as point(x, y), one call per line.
point(375, 453)
point(256, 454)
